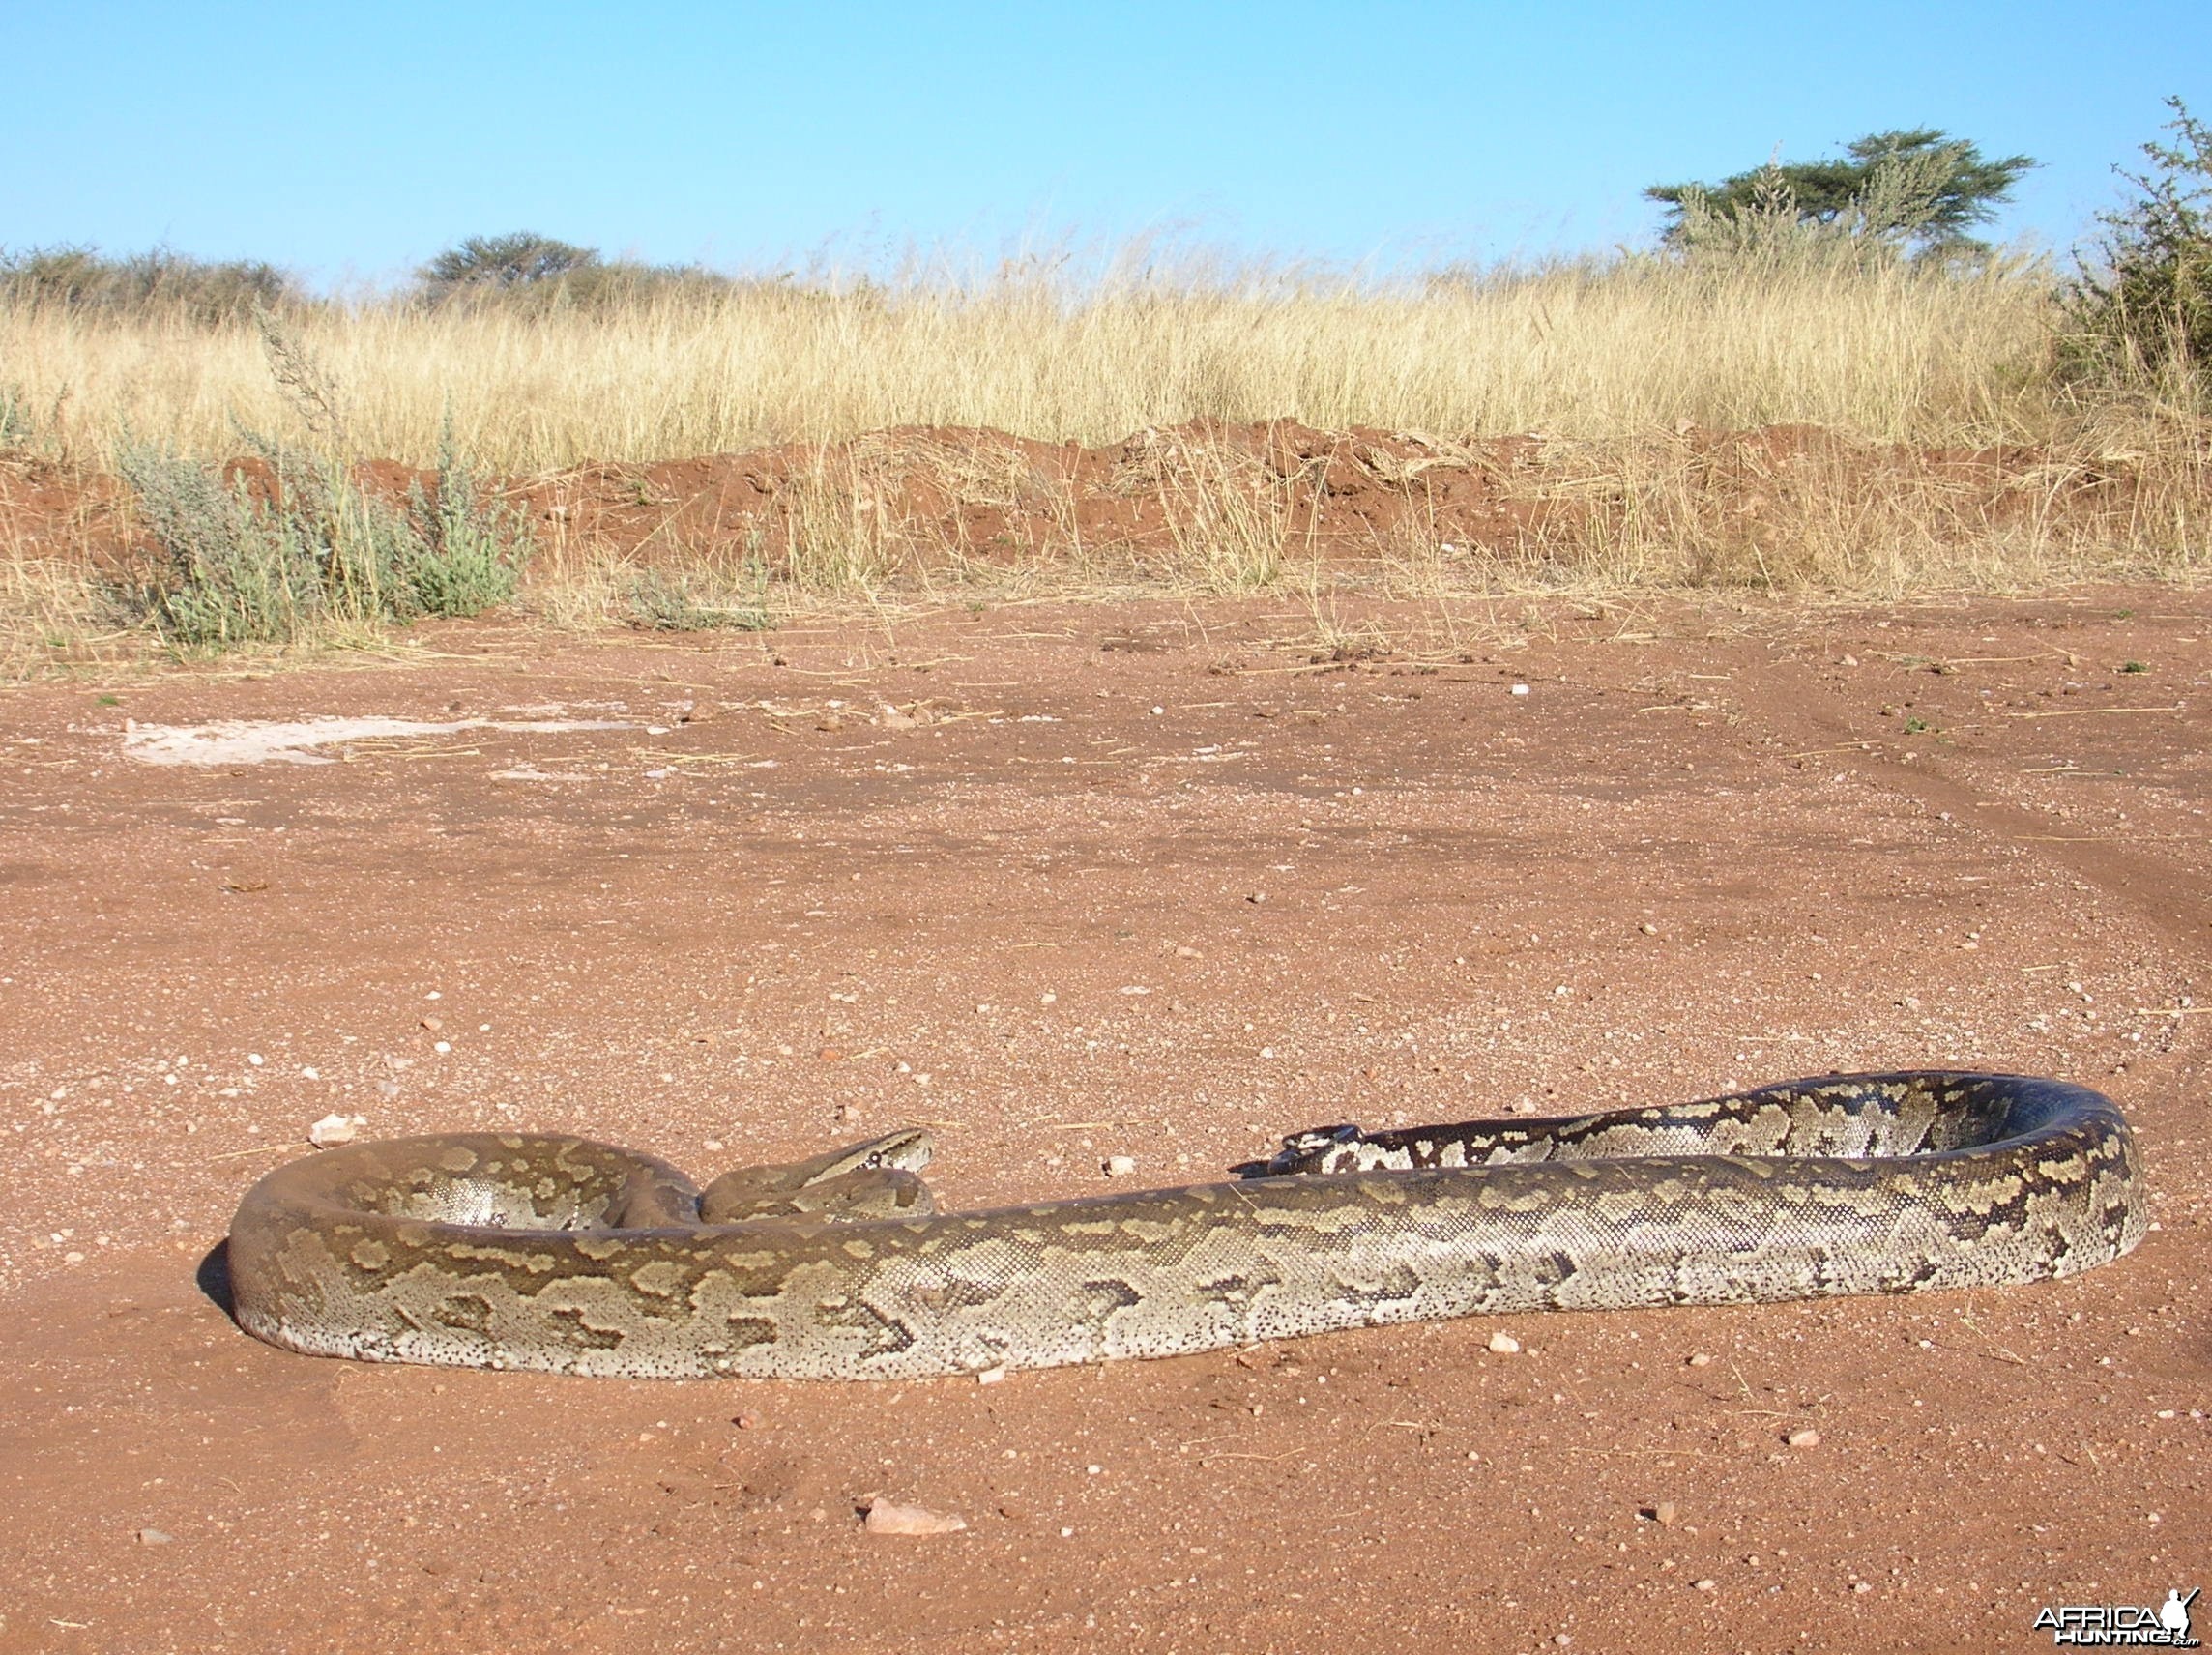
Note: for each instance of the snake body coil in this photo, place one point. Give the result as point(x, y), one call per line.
point(562, 1255)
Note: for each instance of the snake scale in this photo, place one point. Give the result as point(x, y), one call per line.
point(520, 1251)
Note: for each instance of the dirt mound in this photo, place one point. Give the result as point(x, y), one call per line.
point(1232, 505)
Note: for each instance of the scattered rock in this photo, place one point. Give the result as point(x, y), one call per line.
point(1708, 1583)
point(1806, 1438)
point(1700, 1360)
point(433, 1024)
point(1664, 1512)
point(1120, 1166)
point(991, 1375)
point(745, 1421)
point(336, 1129)
point(885, 1518)
point(1520, 689)
point(152, 1537)
point(1504, 1345)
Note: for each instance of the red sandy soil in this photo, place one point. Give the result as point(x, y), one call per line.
point(955, 498)
point(1144, 881)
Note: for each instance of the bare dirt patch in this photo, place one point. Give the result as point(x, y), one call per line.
point(1076, 883)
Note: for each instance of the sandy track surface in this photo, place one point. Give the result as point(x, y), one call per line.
point(1069, 883)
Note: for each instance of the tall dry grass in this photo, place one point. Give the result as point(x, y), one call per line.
point(1627, 367)
point(1578, 351)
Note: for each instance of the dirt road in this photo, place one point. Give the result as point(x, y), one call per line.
point(1068, 883)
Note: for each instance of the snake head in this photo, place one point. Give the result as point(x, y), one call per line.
point(1307, 1151)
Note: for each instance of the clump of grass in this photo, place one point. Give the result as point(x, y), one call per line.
point(838, 538)
point(1229, 521)
point(685, 602)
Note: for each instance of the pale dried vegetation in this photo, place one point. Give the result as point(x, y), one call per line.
point(1585, 351)
point(1625, 369)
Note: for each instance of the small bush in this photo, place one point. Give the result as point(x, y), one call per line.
point(2150, 304)
point(469, 548)
point(235, 566)
point(662, 603)
point(230, 569)
point(159, 282)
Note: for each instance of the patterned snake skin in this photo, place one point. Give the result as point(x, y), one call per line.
point(565, 1256)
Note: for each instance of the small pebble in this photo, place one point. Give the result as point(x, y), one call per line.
point(1803, 1438)
point(1120, 1166)
point(745, 1421)
point(1648, 929)
point(1700, 1360)
point(433, 1024)
point(991, 1375)
point(1520, 689)
point(1664, 1512)
point(885, 1518)
point(1562, 1640)
point(154, 1537)
point(1504, 1345)
point(1705, 1586)
point(336, 1129)
point(1862, 1585)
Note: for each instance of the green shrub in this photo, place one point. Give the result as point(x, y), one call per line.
point(236, 565)
point(2148, 304)
point(469, 547)
point(230, 568)
point(663, 602)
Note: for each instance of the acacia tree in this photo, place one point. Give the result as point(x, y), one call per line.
point(512, 260)
point(1915, 187)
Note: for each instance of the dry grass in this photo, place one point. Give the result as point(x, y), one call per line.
point(1586, 352)
point(1623, 368)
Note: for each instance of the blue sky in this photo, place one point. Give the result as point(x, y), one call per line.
point(352, 143)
